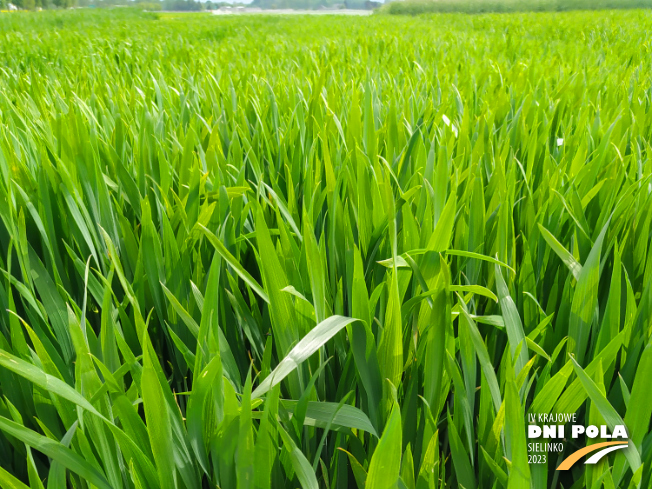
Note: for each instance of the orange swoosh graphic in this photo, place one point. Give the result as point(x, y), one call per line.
point(574, 457)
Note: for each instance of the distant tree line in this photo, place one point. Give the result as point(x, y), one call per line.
point(315, 4)
point(186, 5)
point(296, 4)
point(152, 5)
point(35, 4)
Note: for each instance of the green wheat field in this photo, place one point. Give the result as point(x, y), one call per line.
point(322, 252)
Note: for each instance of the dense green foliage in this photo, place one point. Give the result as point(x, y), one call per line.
point(415, 7)
point(322, 252)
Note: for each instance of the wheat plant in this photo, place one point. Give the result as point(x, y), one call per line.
point(268, 252)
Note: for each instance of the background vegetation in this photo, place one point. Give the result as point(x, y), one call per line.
point(322, 252)
point(398, 7)
point(415, 7)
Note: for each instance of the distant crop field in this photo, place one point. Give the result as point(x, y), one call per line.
point(325, 252)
